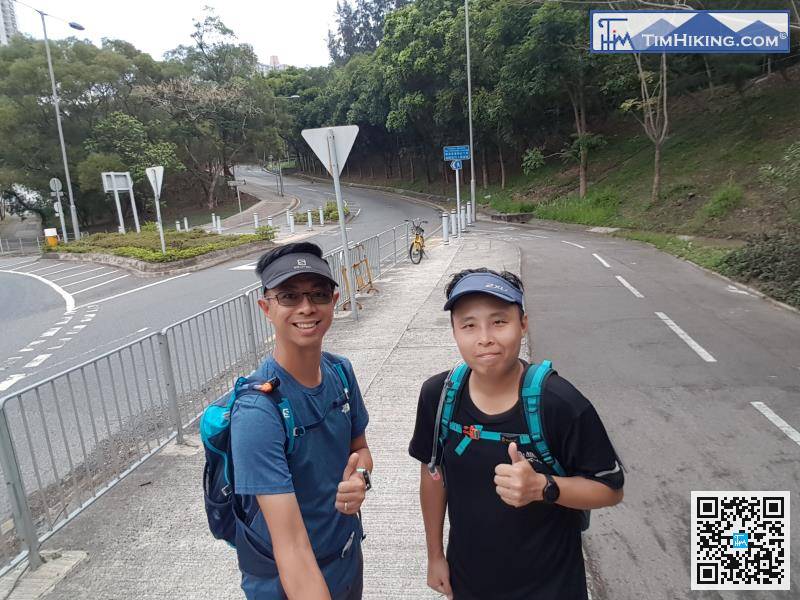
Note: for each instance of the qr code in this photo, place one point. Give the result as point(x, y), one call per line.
point(740, 540)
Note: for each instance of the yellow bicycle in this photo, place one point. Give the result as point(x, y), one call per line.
point(417, 248)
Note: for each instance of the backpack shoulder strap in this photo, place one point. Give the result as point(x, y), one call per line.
point(338, 366)
point(532, 388)
point(268, 389)
point(444, 412)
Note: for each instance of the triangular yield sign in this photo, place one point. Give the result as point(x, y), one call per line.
point(344, 137)
point(156, 176)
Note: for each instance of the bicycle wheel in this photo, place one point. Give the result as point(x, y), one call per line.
point(415, 252)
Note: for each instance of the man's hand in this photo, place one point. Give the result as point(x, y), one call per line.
point(518, 484)
point(352, 490)
point(439, 576)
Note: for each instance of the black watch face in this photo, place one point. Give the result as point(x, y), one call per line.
point(551, 491)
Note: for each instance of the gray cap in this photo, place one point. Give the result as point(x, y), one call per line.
point(296, 263)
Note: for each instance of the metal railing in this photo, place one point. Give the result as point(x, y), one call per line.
point(19, 245)
point(67, 440)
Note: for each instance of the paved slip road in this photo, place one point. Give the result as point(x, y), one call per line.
point(673, 358)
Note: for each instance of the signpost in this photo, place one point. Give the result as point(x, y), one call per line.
point(332, 146)
point(116, 183)
point(456, 154)
point(236, 183)
point(156, 177)
point(56, 187)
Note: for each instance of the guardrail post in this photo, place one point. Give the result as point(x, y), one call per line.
point(169, 382)
point(23, 520)
point(251, 329)
point(394, 245)
point(408, 241)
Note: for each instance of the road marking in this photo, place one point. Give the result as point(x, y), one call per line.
point(27, 261)
point(11, 380)
point(14, 358)
point(51, 332)
point(142, 330)
point(65, 270)
point(37, 361)
point(79, 273)
point(78, 327)
point(632, 289)
point(47, 268)
point(602, 262)
point(573, 244)
point(735, 290)
point(37, 342)
point(790, 431)
point(221, 297)
point(55, 347)
point(255, 285)
point(533, 235)
point(702, 352)
point(68, 299)
point(247, 267)
point(26, 350)
point(135, 290)
point(97, 285)
point(89, 278)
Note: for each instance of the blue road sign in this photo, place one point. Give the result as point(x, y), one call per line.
point(455, 165)
point(456, 152)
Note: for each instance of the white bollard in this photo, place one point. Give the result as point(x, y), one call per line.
point(463, 218)
point(291, 223)
point(469, 214)
point(269, 221)
point(310, 224)
point(453, 223)
point(213, 221)
point(219, 225)
point(288, 218)
point(255, 220)
point(445, 227)
point(321, 216)
point(186, 223)
point(177, 225)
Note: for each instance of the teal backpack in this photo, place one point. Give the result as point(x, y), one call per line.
point(532, 386)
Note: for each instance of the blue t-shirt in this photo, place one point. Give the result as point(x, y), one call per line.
point(313, 471)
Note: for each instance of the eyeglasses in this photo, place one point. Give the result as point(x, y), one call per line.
point(296, 298)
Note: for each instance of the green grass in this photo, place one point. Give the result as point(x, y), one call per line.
point(706, 255)
point(726, 199)
point(146, 245)
point(600, 207)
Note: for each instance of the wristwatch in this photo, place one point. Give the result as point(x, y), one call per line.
point(551, 491)
point(365, 474)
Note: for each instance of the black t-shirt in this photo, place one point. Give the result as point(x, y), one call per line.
point(495, 551)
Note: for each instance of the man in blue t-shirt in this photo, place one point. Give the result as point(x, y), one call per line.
point(305, 543)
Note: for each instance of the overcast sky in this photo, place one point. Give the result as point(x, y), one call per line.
point(294, 30)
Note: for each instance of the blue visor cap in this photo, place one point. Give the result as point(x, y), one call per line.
point(485, 283)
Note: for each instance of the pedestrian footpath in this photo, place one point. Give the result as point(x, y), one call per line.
point(148, 537)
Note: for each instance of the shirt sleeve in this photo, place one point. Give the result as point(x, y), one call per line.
point(359, 416)
point(584, 447)
point(258, 448)
point(421, 445)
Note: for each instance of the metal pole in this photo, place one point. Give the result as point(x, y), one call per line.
point(251, 329)
point(61, 216)
point(160, 225)
point(116, 200)
point(342, 225)
point(133, 203)
point(239, 198)
point(469, 111)
point(308, 214)
point(169, 382)
point(23, 520)
point(458, 205)
point(75, 229)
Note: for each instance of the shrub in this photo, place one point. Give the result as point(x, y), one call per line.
point(724, 200)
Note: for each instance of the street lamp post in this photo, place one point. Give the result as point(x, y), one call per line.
point(73, 213)
point(469, 110)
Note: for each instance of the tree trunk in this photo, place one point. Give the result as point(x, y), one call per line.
point(347, 166)
point(400, 166)
point(360, 171)
point(427, 164)
point(371, 172)
point(654, 196)
point(484, 170)
point(502, 166)
point(411, 163)
point(709, 75)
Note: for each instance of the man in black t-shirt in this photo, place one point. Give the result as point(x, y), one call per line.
point(515, 529)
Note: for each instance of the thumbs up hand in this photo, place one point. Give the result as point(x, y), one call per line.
point(517, 483)
point(352, 489)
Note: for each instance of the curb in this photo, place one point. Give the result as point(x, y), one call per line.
point(145, 269)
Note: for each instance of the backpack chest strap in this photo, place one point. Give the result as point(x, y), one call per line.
point(477, 432)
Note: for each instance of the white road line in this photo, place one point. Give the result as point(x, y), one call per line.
point(89, 279)
point(46, 268)
point(65, 270)
point(735, 290)
point(247, 267)
point(602, 262)
point(26, 350)
point(14, 358)
point(79, 273)
point(533, 235)
point(37, 361)
point(68, 299)
point(135, 290)
point(64, 339)
point(790, 431)
point(573, 244)
point(37, 342)
point(27, 261)
point(51, 332)
point(55, 347)
point(632, 289)
point(228, 296)
point(253, 286)
point(10, 380)
point(143, 329)
point(702, 352)
point(78, 327)
point(64, 322)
